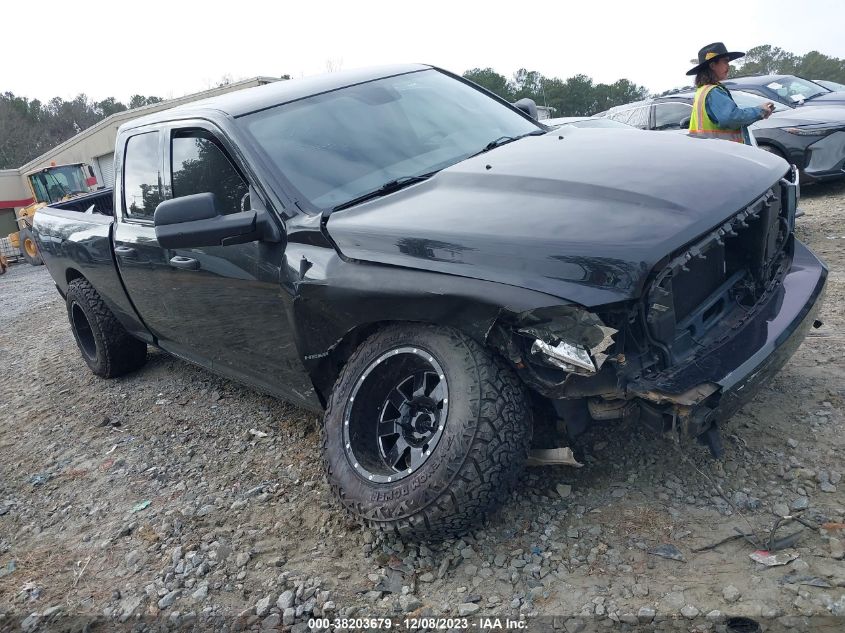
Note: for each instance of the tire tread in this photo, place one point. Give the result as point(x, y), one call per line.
point(121, 353)
point(498, 448)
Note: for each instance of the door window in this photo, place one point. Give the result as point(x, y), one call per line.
point(200, 165)
point(668, 116)
point(141, 176)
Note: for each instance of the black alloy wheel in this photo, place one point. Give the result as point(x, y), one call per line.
point(425, 431)
point(414, 403)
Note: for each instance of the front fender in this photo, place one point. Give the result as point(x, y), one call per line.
point(335, 299)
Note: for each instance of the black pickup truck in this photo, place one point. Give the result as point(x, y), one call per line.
point(439, 273)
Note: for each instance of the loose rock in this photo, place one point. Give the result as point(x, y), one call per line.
point(468, 608)
point(168, 600)
point(646, 614)
point(286, 600)
point(263, 606)
point(731, 594)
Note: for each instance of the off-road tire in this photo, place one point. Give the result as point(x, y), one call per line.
point(32, 260)
point(483, 447)
point(103, 342)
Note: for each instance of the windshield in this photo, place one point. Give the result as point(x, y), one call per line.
point(748, 100)
point(795, 89)
point(337, 146)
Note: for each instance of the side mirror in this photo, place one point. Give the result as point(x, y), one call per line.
point(528, 106)
point(195, 220)
point(684, 124)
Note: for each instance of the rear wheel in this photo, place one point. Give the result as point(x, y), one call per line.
point(425, 431)
point(104, 343)
point(29, 250)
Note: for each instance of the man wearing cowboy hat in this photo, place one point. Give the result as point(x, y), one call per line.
point(714, 112)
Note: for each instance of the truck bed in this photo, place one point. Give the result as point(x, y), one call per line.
point(100, 202)
point(75, 240)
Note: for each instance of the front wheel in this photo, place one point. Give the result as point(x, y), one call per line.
point(425, 431)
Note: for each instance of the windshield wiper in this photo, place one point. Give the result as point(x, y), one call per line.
point(387, 188)
point(504, 140)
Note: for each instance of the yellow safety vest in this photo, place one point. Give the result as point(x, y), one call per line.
point(701, 125)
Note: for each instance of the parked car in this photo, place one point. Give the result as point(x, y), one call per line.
point(438, 274)
point(830, 85)
point(583, 121)
point(787, 89)
point(811, 138)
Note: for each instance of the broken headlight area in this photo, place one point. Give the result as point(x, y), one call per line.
point(566, 356)
point(549, 345)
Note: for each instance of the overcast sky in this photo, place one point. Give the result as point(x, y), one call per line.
point(176, 47)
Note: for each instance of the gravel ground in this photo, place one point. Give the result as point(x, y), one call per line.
point(174, 496)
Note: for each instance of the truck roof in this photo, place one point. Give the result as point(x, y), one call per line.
point(262, 97)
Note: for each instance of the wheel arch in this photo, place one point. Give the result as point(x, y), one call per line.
point(71, 274)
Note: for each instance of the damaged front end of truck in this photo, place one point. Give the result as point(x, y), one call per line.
point(716, 319)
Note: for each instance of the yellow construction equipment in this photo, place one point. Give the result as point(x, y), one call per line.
point(49, 185)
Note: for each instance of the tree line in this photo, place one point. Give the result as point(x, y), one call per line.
point(580, 96)
point(29, 127)
point(575, 96)
point(771, 60)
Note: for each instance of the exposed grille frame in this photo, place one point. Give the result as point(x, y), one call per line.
point(761, 235)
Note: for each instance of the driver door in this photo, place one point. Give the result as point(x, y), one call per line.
point(222, 306)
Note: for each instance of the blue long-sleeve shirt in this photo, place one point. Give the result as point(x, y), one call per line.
point(722, 109)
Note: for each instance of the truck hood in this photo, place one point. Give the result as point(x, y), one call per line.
point(580, 213)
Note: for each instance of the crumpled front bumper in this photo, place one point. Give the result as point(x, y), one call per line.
point(735, 370)
point(775, 334)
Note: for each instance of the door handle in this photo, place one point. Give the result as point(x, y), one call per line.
point(188, 263)
point(126, 252)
